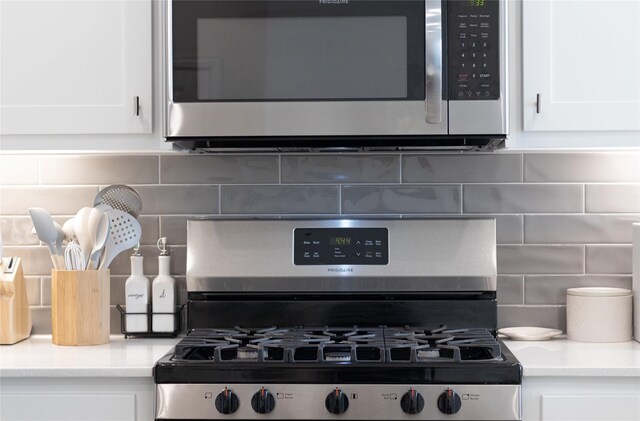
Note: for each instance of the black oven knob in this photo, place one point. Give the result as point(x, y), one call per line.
point(337, 402)
point(449, 402)
point(227, 402)
point(412, 402)
point(262, 401)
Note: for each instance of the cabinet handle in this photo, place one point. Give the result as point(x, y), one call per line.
point(538, 104)
point(136, 106)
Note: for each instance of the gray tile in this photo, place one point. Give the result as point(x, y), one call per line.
point(174, 228)
point(18, 169)
point(279, 199)
point(16, 231)
point(33, 290)
point(540, 259)
point(510, 289)
point(554, 317)
point(609, 259)
point(35, 259)
point(150, 229)
point(473, 168)
point(219, 169)
point(522, 198)
point(544, 229)
point(92, 169)
point(612, 198)
point(57, 200)
point(400, 199)
point(182, 200)
point(181, 283)
point(340, 169)
point(46, 290)
point(508, 227)
point(582, 167)
point(116, 288)
point(121, 265)
point(553, 289)
point(114, 320)
point(41, 319)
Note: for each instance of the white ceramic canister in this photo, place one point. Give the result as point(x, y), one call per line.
point(599, 314)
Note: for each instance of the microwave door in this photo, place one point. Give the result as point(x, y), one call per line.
point(304, 68)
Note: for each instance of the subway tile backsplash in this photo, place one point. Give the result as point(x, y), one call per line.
point(563, 219)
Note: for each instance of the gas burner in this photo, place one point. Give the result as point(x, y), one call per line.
point(337, 356)
point(246, 353)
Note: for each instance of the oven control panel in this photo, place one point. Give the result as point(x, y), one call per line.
point(340, 246)
point(474, 50)
point(338, 401)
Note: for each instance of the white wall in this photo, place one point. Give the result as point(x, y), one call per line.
point(155, 142)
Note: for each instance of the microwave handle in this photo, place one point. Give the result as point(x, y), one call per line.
point(433, 60)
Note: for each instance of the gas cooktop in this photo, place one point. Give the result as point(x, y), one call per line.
point(338, 345)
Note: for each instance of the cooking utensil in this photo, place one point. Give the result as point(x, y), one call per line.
point(73, 257)
point(124, 233)
point(83, 233)
point(59, 238)
point(69, 230)
point(47, 233)
point(99, 227)
point(120, 197)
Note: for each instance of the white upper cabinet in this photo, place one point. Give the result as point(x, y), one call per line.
point(75, 67)
point(582, 60)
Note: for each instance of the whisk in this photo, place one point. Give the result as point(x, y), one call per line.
point(74, 258)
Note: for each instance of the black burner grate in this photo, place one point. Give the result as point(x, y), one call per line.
point(342, 346)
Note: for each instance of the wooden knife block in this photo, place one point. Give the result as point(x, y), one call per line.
point(15, 316)
point(80, 307)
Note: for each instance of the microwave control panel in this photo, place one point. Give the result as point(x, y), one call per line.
point(474, 49)
point(340, 246)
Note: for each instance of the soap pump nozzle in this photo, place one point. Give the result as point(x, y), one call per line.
point(162, 246)
point(136, 251)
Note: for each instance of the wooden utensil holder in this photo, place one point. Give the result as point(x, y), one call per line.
point(80, 307)
point(15, 316)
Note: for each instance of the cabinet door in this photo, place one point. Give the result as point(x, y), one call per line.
point(590, 408)
point(583, 60)
point(68, 407)
point(75, 67)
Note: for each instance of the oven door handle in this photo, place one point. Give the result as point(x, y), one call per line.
point(433, 60)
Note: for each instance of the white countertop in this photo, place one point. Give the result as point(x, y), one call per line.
point(560, 357)
point(38, 357)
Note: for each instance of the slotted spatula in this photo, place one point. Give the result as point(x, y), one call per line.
point(124, 233)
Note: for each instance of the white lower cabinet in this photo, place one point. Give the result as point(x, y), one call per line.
point(77, 399)
point(581, 399)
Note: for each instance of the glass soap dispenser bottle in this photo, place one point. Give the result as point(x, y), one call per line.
point(163, 293)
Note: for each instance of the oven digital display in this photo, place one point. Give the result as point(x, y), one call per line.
point(340, 241)
point(341, 246)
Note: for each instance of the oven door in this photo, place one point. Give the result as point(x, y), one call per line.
point(304, 68)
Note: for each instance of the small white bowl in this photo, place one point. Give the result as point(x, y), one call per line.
point(529, 333)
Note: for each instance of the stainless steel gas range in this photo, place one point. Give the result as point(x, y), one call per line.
point(340, 319)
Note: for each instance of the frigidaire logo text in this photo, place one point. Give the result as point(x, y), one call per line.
point(333, 1)
point(340, 269)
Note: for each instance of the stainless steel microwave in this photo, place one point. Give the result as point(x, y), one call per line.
point(295, 74)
